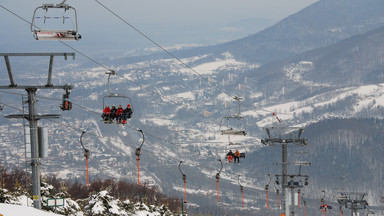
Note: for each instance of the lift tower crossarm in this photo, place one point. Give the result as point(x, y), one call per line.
point(51, 55)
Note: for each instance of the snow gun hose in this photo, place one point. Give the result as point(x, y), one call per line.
point(299, 201)
point(305, 208)
point(217, 180)
point(138, 171)
point(87, 172)
point(322, 208)
point(185, 191)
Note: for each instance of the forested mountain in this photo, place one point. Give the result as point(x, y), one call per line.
point(320, 24)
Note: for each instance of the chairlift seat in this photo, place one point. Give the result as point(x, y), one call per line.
point(46, 34)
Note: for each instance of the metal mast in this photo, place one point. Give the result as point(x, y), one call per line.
point(353, 201)
point(285, 136)
point(32, 116)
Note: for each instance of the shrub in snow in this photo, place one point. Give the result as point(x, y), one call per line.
point(128, 207)
point(70, 208)
point(101, 203)
point(6, 197)
point(141, 206)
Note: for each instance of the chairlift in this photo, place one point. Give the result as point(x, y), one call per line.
point(233, 124)
point(121, 99)
point(66, 105)
point(55, 33)
point(231, 145)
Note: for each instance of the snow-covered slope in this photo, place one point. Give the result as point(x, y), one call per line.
point(14, 210)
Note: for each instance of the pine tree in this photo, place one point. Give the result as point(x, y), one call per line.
point(70, 207)
point(101, 204)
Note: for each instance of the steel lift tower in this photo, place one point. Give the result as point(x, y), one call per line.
point(353, 201)
point(32, 116)
point(285, 136)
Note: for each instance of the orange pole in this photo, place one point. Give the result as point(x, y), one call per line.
point(267, 198)
point(322, 206)
point(217, 190)
point(305, 208)
point(242, 199)
point(138, 171)
point(278, 202)
point(185, 191)
point(341, 212)
point(87, 173)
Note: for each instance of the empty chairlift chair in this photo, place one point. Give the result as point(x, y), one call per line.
point(233, 124)
point(48, 17)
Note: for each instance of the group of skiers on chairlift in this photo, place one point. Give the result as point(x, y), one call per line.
point(237, 155)
point(120, 115)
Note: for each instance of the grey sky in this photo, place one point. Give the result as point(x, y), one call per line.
point(160, 19)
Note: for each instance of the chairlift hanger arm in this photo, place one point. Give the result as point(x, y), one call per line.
point(218, 174)
point(270, 180)
point(238, 181)
point(81, 139)
point(138, 150)
point(142, 133)
point(86, 151)
point(184, 176)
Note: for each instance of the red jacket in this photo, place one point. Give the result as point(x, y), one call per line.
point(107, 110)
point(119, 111)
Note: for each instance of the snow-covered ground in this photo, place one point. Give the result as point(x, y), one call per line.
point(17, 210)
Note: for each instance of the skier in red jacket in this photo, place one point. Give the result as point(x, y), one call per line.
point(106, 113)
point(119, 113)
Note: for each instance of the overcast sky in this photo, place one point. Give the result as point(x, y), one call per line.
point(156, 18)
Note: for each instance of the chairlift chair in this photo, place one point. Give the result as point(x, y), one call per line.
point(243, 153)
point(55, 34)
point(66, 104)
point(121, 98)
point(233, 124)
point(235, 146)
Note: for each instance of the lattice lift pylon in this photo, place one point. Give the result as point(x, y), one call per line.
point(33, 116)
point(285, 136)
